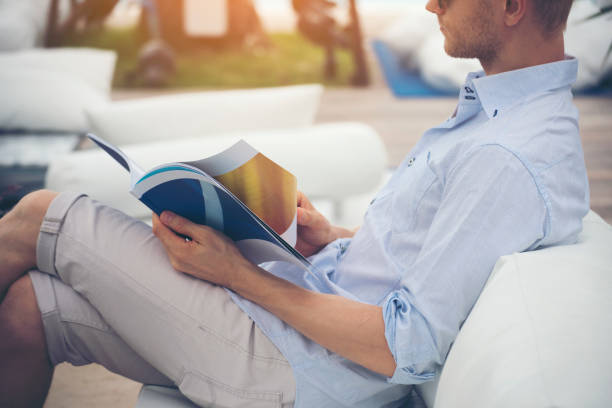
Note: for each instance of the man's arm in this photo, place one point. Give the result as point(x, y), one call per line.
point(352, 329)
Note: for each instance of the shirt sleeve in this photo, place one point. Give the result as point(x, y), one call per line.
point(490, 206)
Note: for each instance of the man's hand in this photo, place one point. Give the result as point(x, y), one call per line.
point(314, 230)
point(206, 254)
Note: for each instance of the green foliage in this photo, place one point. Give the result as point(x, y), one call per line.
point(290, 60)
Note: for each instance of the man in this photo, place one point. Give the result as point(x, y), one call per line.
point(505, 173)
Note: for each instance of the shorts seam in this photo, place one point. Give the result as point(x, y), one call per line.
point(272, 396)
point(87, 324)
point(254, 356)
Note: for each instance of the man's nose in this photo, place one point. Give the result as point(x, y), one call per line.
point(434, 7)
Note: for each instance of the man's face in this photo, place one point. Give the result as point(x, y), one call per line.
point(470, 27)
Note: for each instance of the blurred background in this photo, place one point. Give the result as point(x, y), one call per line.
point(381, 63)
point(251, 43)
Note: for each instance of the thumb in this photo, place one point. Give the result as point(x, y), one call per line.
point(304, 216)
point(302, 201)
point(178, 224)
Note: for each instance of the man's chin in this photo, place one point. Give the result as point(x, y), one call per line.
point(457, 52)
point(450, 50)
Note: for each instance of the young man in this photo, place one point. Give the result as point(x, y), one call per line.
point(505, 173)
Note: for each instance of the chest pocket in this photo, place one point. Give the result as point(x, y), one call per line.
point(380, 208)
point(411, 191)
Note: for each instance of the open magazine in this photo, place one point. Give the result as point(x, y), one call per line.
point(239, 192)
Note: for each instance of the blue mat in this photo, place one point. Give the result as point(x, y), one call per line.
point(403, 84)
point(604, 92)
point(406, 84)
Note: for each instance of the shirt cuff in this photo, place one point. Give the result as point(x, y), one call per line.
point(409, 340)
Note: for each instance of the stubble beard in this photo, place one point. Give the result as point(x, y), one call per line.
point(478, 39)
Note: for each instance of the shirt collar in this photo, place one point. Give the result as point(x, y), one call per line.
point(500, 91)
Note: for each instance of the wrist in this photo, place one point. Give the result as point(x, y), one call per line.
point(238, 274)
point(340, 232)
point(248, 280)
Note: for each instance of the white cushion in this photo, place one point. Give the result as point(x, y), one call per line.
point(406, 34)
point(95, 67)
point(594, 66)
point(40, 100)
point(311, 154)
point(540, 333)
point(205, 113)
point(15, 34)
point(22, 23)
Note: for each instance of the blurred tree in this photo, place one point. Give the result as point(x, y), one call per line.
point(316, 22)
point(84, 14)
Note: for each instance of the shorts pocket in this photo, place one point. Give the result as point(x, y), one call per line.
point(208, 392)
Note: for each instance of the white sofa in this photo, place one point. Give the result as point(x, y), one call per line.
point(540, 332)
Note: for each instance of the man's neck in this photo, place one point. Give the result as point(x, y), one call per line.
point(526, 52)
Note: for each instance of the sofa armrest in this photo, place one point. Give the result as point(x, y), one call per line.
point(199, 114)
point(332, 161)
point(540, 332)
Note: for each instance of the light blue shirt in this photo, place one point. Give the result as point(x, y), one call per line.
point(504, 174)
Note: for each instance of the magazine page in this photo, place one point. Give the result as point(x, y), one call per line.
point(266, 188)
point(135, 171)
point(190, 193)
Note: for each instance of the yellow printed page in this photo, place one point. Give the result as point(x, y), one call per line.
point(266, 188)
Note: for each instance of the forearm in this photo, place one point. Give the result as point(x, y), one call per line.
point(352, 329)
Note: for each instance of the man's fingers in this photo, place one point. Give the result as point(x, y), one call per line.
point(165, 234)
point(308, 218)
point(303, 217)
point(179, 224)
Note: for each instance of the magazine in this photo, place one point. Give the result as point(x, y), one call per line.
point(239, 192)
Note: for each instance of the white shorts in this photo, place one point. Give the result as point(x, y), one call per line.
point(108, 294)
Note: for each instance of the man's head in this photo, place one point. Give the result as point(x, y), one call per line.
point(485, 29)
point(551, 15)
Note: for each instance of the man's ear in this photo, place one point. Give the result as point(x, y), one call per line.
point(514, 12)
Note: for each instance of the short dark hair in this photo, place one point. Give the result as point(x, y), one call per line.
point(552, 14)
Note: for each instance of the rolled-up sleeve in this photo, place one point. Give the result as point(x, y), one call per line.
point(491, 205)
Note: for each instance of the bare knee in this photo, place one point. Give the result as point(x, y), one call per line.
point(21, 322)
point(34, 205)
point(19, 230)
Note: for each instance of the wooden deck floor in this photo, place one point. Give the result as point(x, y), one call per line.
point(401, 123)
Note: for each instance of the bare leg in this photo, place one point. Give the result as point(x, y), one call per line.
point(18, 234)
point(25, 371)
